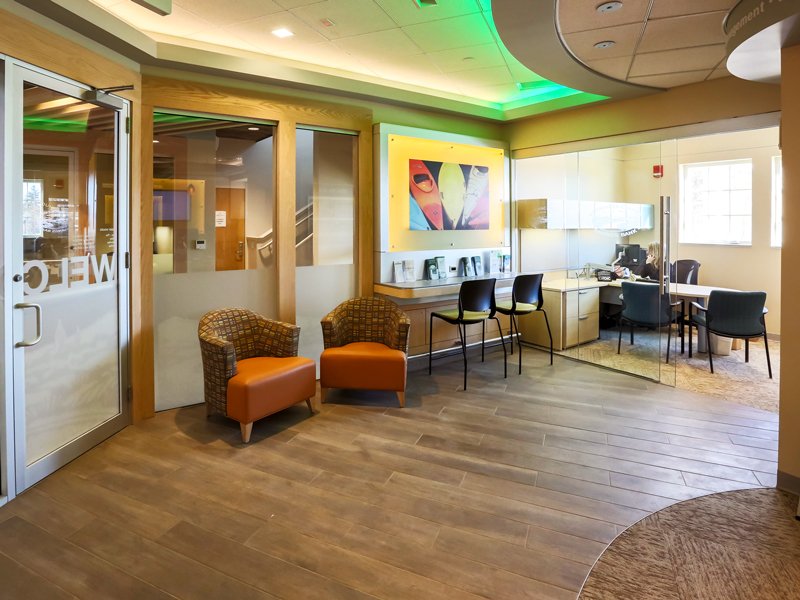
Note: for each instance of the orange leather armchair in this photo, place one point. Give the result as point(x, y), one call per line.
point(251, 368)
point(366, 347)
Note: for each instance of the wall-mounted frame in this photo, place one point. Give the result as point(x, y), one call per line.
point(444, 164)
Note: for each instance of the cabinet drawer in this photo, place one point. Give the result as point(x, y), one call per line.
point(583, 329)
point(582, 302)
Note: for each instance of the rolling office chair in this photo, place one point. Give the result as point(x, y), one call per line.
point(732, 314)
point(476, 304)
point(526, 298)
point(642, 305)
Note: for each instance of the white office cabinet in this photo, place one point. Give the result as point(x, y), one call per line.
point(574, 319)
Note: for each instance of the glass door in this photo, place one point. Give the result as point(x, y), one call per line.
point(65, 213)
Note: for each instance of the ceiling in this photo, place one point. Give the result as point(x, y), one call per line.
point(448, 56)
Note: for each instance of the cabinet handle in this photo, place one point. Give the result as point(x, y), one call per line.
point(583, 318)
point(584, 292)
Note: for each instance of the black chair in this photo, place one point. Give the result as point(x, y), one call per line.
point(475, 305)
point(642, 305)
point(732, 314)
point(526, 298)
point(684, 271)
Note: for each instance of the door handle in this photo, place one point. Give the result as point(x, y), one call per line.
point(38, 338)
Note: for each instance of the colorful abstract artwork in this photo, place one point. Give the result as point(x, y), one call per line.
point(447, 196)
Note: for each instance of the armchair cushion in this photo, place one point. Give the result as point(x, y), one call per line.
point(264, 385)
point(363, 365)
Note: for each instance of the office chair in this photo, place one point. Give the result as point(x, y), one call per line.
point(732, 314)
point(526, 298)
point(476, 304)
point(684, 271)
point(643, 305)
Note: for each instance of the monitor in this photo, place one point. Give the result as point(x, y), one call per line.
point(628, 254)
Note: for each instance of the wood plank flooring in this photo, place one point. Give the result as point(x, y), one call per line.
point(511, 489)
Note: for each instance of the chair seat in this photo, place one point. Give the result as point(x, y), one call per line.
point(264, 385)
point(470, 317)
point(730, 331)
point(505, 307)
point(363, 366)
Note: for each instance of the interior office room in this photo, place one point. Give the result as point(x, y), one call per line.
point(273, 164)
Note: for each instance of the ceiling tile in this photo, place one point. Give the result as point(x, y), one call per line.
point(489, 76)
point(180, 23)
point(258, 32)
point(406, 12)
point(579, 15)
point(624, 38)
point(351, 17)
point(220, 13)
point(683, 32)
point(719, 72)
point(672, 61)
point(407, 68)
point(673, 8)
point(465, 59)
point(670, 80)
point(289, 4)
point(392, 42)
point(612, 67)
point(458, 32)
point(504, 92)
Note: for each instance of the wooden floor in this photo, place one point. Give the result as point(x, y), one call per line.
point(511, 489)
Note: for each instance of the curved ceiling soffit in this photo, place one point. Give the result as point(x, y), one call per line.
point(757, 30)
point(529, 30)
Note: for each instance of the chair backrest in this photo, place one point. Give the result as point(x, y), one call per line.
point(240, 326)
point(643, 304)
point(684, 271)
point(527, 290)
point(736, 314)
point(364, 319)
point(477, 295)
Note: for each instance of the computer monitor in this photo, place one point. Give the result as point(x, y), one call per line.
point(628, 254)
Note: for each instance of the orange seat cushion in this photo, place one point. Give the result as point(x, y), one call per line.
point(265, 384)
point(363, 366)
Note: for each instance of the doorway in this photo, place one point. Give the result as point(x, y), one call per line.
point(65, 222)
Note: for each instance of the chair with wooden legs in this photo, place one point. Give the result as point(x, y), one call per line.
point(476, 304)
point(526, 298)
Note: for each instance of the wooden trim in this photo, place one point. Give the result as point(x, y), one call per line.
point(285, 208)
point(142, 338)
point(365, 228)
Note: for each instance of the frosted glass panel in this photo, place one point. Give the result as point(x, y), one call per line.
point(213, 208)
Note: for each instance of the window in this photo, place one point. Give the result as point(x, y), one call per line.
point(716, 202)
point(776, 225)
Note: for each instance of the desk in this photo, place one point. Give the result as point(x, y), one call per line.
point(438, 288)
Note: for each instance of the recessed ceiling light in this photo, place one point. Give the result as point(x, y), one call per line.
point(282, 32)
point(156, 142)
point(252, 129)
point(604, 44)
point(607, 7)
point(327, 22)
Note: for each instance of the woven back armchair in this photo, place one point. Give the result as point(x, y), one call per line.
point(250, 366)
point(366, 347)
point(366, 320)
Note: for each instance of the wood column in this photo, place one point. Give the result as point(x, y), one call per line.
point(285, 208)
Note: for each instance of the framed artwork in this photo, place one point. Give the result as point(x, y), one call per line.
point(445, 195)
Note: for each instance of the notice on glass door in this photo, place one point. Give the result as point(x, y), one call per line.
point(221, 218)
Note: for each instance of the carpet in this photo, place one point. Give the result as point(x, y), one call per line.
point(733, 379)
point(739, 545)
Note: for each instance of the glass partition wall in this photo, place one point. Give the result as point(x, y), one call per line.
point(594, 215)
point(213, 213)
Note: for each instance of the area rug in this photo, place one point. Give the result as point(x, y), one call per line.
point(733, 379)
point(733, 545)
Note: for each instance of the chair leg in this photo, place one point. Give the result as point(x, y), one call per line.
point(708, 347)
point(519, 345)
point(463, 336)
point(766, 347)
point(247, 429)
point(747, 350)
point(619, 341)
point(430, 346)
point(322, 393)
point(483, 337)
point(669, 339)
point(401, 398)
point(511, 331)
point(310, 404)
point(505, 354)
point(690, 339)
point(631, 334)
point(550, 335)
point(209, 410)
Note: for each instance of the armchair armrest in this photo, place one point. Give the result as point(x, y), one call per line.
point(396, 332)
point(219, 356)
point(278, 339)
point(331, 334)
point(699, 306)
